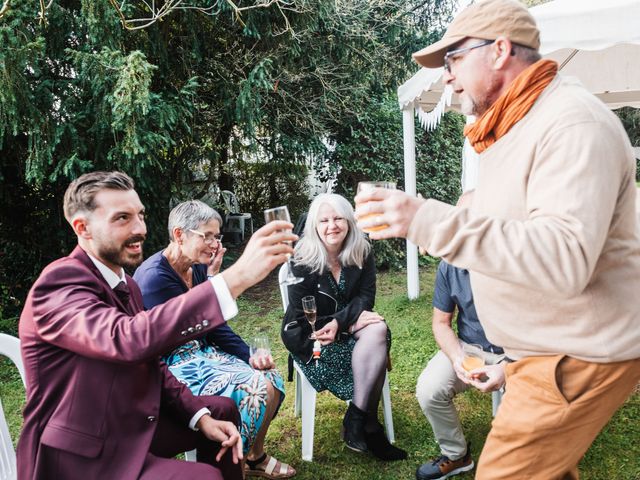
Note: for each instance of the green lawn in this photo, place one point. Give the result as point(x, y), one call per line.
point(615, 454)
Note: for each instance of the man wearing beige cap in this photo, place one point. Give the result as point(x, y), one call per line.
point(551, 240)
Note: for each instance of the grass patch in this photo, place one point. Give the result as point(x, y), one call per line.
point(11, 395)
point(614, 455)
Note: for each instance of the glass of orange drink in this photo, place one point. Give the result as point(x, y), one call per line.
point(472, 356)
point(363, 187)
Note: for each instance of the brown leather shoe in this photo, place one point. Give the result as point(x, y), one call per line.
point(443, 467)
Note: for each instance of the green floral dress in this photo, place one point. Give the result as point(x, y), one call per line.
point(333, 370)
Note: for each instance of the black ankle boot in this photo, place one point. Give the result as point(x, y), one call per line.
point(380, 447)
point(353, 433)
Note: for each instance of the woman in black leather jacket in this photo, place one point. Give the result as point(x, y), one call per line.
point(337, 265)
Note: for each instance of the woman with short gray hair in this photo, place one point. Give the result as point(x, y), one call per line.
point(189, 215)
point(219, 363)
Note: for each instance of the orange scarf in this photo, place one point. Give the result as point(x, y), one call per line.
point(511, 106)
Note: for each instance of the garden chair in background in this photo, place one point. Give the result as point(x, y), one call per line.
point(9, 347)
point(305, 395)
point(234, 223)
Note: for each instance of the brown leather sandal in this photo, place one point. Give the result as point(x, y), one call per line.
point(268, 467)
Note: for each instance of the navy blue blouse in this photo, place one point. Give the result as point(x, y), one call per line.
point(159, 282)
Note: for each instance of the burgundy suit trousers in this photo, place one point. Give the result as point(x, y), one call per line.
point(172, 438)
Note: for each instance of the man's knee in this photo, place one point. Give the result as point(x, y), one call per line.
point(158, 468)
point(431, 393)
point(203, 471)
point(223, 408)
point(424, 392)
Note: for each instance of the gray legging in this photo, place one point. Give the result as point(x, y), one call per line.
point(369, 364)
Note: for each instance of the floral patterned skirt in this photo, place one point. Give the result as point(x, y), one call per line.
point(207, 370)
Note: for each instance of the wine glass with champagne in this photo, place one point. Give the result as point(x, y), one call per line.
point(365, 186)
point(310, 311)
point(282, 213)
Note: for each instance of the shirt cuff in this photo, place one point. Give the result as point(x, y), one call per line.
point(198, 416)
point(228, 305)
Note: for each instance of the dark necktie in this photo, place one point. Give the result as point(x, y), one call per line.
point(122, 291)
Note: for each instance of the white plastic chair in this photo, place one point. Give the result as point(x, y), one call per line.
point(235, 221)
point(496, 398)
point(305, 396)
point(190, 456)
point(9, 347)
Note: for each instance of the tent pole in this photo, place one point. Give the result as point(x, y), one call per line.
point(409, 137)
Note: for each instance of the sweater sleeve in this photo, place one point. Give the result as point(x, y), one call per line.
point(572, 192)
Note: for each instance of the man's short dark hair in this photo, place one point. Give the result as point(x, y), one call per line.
point(526, 54)
point(81, 193)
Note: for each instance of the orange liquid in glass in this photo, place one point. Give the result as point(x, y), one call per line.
point(471, 363)
point(373, 229)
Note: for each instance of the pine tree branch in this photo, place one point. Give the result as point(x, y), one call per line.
point(5, 8)
point(158, 12)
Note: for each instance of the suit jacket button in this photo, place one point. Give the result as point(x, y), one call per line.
point(183, 333)
point(205, 323)
point(151, 418)
point(191, 329)
point(198, 327)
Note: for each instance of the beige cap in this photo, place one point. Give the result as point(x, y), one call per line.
point(488, 19)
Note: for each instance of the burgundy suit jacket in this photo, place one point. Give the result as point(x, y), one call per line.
point(95, 383)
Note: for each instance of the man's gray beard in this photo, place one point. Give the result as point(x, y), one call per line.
point(467, 106)
point(480, 104)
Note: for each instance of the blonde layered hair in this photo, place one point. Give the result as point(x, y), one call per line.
point(310, 251)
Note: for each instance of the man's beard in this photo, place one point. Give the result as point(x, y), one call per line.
point(118, 255)
point(467, 105)
point(476, 107)
point(479, 105)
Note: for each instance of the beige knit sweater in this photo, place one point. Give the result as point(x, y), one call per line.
point(552, 239)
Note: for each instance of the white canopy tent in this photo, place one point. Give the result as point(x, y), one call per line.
point(596, 41)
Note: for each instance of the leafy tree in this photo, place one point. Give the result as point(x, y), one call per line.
point(371, 148)
point(630, 118)
point(188, 105)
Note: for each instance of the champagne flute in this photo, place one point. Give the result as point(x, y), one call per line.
point(282, 213)
point(310, 311)
point(363, 187)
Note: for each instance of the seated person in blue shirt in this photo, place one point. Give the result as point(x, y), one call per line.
point(218, 363)
point(444, 377)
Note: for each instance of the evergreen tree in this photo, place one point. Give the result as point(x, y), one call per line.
point(239, 98)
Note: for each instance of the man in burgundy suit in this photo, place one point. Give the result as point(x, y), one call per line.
point(100, 403)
